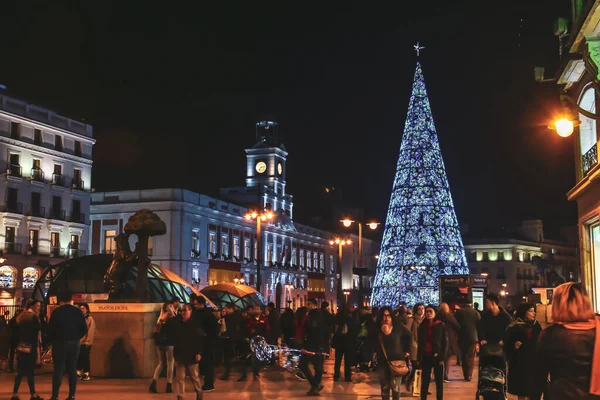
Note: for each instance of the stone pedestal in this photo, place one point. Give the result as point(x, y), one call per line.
point(123, 345)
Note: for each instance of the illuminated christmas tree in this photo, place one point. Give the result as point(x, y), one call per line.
point(421, 239)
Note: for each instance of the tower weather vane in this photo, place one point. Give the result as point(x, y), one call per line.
point(418, 48)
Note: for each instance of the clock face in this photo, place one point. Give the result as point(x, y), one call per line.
point(279, 169)
point(261, 167)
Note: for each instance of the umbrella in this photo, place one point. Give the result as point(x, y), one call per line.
point(240, 296)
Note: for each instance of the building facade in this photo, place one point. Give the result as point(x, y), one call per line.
point(46, 167)
point(510, 264)
point(578, 76)
point(209, 240)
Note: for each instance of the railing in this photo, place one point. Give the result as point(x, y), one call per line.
point(16, 208)
point(58, 179)
point(12, 311)
point(38, 212)
point(37, 175)
point(77, 184)
point(74, 253)
point(32, 250)
point(589, 159)
point(57, 252)
point(77, 217)
point(12, 248)
point(57, 214)
point(14, 170)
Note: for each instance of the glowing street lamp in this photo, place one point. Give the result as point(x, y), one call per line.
point(264, 216)
point(340, 243)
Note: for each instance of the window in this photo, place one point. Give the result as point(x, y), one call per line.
point(316, 260)
point(58, 144)
point(322, 262)
point(37, 164)
point(30, 276)
point(195, 242)
point(302, 258)
point(195, 276)
point(331, 265)
point(587, 129)
point(269, 252)
point(37, 137)
point(76, 212)
point(34, 240)
point(308, 259)
point(212, 242)
point(56, 211)
point(247, 249)
point(14, 166)
point(8, 277)
point(15, 130)
point(9, 239)
point(77, 181)
point(74, 243)
point(78, 149)
point(225, 245)
point(55, 243)
point(57, 169)
point(109, 241)
point(150, 246)
point(293, 261)
point(236, 247)
point(255, 250)
point(12, 195)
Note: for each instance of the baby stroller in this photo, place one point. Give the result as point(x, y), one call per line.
point(491, 384)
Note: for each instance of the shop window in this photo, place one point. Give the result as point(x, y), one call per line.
point(109, 241)
point(8, 277)
point(30, 277)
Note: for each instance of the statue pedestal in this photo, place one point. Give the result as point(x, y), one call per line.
point(123, 345)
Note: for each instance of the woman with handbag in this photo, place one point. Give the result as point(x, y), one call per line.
point(433, 346)
point(28, 348)
point(393, 349)
point(164, 338)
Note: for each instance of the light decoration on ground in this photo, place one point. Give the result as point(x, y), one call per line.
point(421, 239)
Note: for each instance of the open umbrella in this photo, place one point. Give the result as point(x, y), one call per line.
point(240, 296)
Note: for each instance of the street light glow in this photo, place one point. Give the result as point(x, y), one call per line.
point(373, 225)
point(347, 222)
point(331, 242)
point(564, 127)
point(337, 240)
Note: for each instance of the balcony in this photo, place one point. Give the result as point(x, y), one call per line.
point(37, 212)
point(589, 160)
point(77, 184)
point(12, 248)
point(58, 180)
point(16, 208)
point(32, 250)
point(14, 170)
point(57, 252)
point(37, 175)
point(74, 253)
point(78, 218)
point(57, 214)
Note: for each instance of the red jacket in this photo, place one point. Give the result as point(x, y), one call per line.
point(258, 326)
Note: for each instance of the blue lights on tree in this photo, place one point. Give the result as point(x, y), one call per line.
point(421, 239)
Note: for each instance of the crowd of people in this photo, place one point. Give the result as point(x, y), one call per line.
point(404, 346)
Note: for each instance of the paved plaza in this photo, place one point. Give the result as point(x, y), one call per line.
point(275, 383)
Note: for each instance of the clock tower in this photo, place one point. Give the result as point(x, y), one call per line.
point(265, 172)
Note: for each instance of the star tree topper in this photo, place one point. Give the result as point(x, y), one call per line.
point(418, 49)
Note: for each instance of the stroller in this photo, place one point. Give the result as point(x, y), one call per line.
point(491, 384)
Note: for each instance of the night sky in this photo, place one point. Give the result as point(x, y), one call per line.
point(174, 93)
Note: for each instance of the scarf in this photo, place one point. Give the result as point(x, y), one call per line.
point(585, 326)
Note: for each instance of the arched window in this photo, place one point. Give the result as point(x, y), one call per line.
point(30, 277)
point(8, 277)
point(587, 129)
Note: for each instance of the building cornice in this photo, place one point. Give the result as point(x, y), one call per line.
point(44, 150)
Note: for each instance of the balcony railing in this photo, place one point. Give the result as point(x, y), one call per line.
point(77, 184)
point(57, 214)
point(32, 250)
point(12, 248)
point(14, 170)
point(77, 217)
point(37, 175)
point(74, 253)
point(589, 159)
point(58, 179)
point(16, 208)
point(38, 212)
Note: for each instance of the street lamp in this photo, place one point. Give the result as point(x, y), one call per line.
point(264, 216)
point(361, 272)
point(239, 280)
point(340, 243)
point(346, 293)
point(289, 287)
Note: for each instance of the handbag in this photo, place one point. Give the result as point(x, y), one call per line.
point(397, 367)
point(24, 348)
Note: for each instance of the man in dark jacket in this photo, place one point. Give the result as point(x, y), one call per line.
point(494, 321)
point(66, 327)
point(274, 324)
point(467, 318)
point(189, 345)
point(13, 329)
point(313, 347)
point(204, 316)
point(230, 337)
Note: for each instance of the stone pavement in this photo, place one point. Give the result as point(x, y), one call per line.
point(275, 383)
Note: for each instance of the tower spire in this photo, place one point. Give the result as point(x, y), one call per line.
point(421, 239)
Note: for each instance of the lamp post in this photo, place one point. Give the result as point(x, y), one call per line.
point(360, 271)
point(264, 216)
point(289, 287)
point(340, 243)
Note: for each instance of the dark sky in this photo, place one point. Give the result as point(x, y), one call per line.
point(173, 94)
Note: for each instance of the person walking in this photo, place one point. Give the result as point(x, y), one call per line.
point(65, 329)
point(206, 318)
point(13, 332)
point(298, 337)
point(413, 326)
point(452, 329)
point(231, 335)
point(569, 349)
point(86, 342)
point(467, 318)
point(257, 324)
point(393, 343)
point(312, 348)
point(189, 345)
point(433, 346)
point(28, 349)
point(344, 343)
point(521, 342)
point(492, 326)
point(164, 339)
